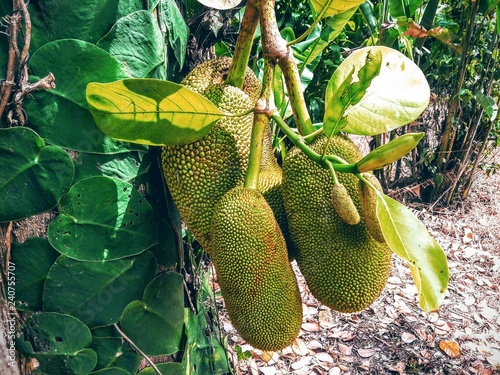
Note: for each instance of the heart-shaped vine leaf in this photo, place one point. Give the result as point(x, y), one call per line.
point(33, 259)
point(34, 176)
point(58, 342)
point(61, 115)
point(127, 166)
point(111, 371)
point(150, 111)
point(408, 238)
point(99, 298)
point(103, 219)
point(137, 42)
point(160, 314)
point(113, 353)
point(395, 97)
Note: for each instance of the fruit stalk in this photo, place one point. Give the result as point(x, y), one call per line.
point(261, 122)
point(236, 75)
point(275, 48)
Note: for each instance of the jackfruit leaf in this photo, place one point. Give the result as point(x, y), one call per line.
point(59, 342)
point(33, 259)
point(34, 176)
point(99, 298)
point(128, 166)
point(113, 353)
point(408, 238)
point(396, 97)
point(160, 313)
point(390, 152)
point(61, 115)
point(137, 42)
point(103, 219)
point(350, 93)
point(220, 4)
point(177, 30)
point(488, 104)
point(165, 368)
point(332, 7)
point(150, 111)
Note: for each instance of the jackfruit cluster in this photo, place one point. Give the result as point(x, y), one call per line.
point(344, 266)
point(256, 279)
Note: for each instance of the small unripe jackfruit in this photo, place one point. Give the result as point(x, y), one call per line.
point(255, 276)
point(368, 203)
point(344, 267)
point(344, 205)
point(200, 173)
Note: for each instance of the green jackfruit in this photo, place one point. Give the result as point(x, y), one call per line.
point(256, 279)
point(368, 203)
point(344, 267)
point(344, 205)
point(214, 72)
point(200, 173)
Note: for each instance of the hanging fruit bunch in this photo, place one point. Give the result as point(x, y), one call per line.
point(323, 207)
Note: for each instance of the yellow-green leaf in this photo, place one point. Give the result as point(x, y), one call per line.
point(151, 111)
point(327, 8)
point(408, 238)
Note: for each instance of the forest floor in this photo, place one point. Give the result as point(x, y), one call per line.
point(394, 336)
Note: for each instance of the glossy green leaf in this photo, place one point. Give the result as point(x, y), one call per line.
point(61, 115)
point(59, 344)
point(396, 97)
point(155, 324)
point(331, 7)
point(488, 104)
point(136, 42)
point(150, 111)
point(350, 93)
point(34, 176)
point(97, 293)
point(113, 353)
point(33, 259)
point(75, 64)
point(88, 20)
point(103, 219)
point(177, 30)
point(171, 368)
point(64, 123)
point(126, 166)
point(408, 238)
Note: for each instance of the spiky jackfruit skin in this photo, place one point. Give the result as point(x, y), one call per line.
point(214, 72)
point(255, 276)
point(368, 203)
point(344, 267)
point(200, 173)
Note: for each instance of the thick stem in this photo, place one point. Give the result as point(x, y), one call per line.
point(236, 75)
point(337, 164)
point(260, 123)
point(275, 49)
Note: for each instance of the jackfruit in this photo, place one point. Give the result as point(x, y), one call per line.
point(256, 279)
point(344, 267)
point(368, 203)
point(344, 205)
point(200, 173)
point(214, 72)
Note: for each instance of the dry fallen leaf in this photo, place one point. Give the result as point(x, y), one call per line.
point(299, 347)
point(310, 327)
point(450, 347)
point(408, 337)
point(344, 349)
point(366, 353)
point(323, 357)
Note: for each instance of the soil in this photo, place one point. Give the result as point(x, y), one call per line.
point(394, 336)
